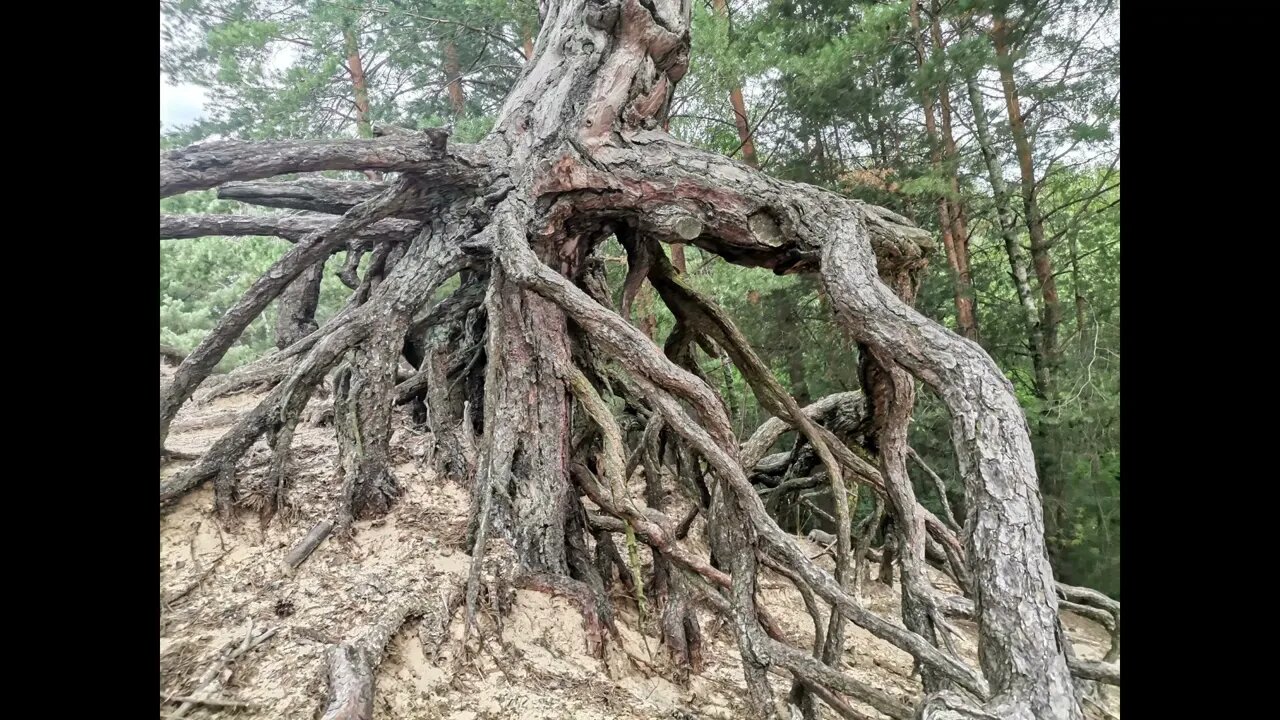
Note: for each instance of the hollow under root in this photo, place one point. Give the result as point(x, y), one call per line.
point(583, 597)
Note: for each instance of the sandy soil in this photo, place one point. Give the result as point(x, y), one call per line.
point(215, 583)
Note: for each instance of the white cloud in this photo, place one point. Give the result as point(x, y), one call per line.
point(180, 104)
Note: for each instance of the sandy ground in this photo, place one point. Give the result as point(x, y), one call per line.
point(216, 583)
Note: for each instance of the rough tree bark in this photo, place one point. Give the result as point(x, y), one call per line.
point(296, 311)
point(577, 154)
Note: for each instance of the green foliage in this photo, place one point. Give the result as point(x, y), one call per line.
point(200, 279)
point(281, 69)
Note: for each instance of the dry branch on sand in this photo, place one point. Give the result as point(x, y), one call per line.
point(513, 382)
point(232, 650)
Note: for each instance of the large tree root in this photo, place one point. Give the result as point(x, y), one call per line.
point(213, 163)
point(431, 260)
point(575, 155)
point(636, 352)
point(362, 416)
point(352, 663)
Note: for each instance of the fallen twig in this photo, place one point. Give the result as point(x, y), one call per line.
point(195, 584)
point(211, 702)
point(229, 652)
point(303, 550)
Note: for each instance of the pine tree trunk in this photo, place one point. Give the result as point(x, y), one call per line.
point(961, 291)
point(1051, 473)
point(1009, 233)
point(1082, 303)
point(1031, 207)
point(359, 85)
point(951, 157)
point(528, 43)
point(453, 76)
point(740, 118)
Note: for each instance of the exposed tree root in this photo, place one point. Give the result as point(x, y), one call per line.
point(313, 249)
point(433, 630)
point(211, 164)
point(296, 309)
point(431, 261)
point(362, 416)
point(294, 228)
point(632, 349)
point(352, 663)
point(313, 194)
point(583, 596)
point(512, 371)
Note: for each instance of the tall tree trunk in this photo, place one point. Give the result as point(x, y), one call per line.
point(359, 85)
point(965, 318)
point(1009, 233)
point(453, 76)
point(744, 127)
point(1051, 480)
point(1031, 207)
point(951, 157)
point(528, 42)
point(740, 118)
point(1082, 303)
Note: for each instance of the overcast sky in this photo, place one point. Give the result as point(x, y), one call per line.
point(179, 104)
